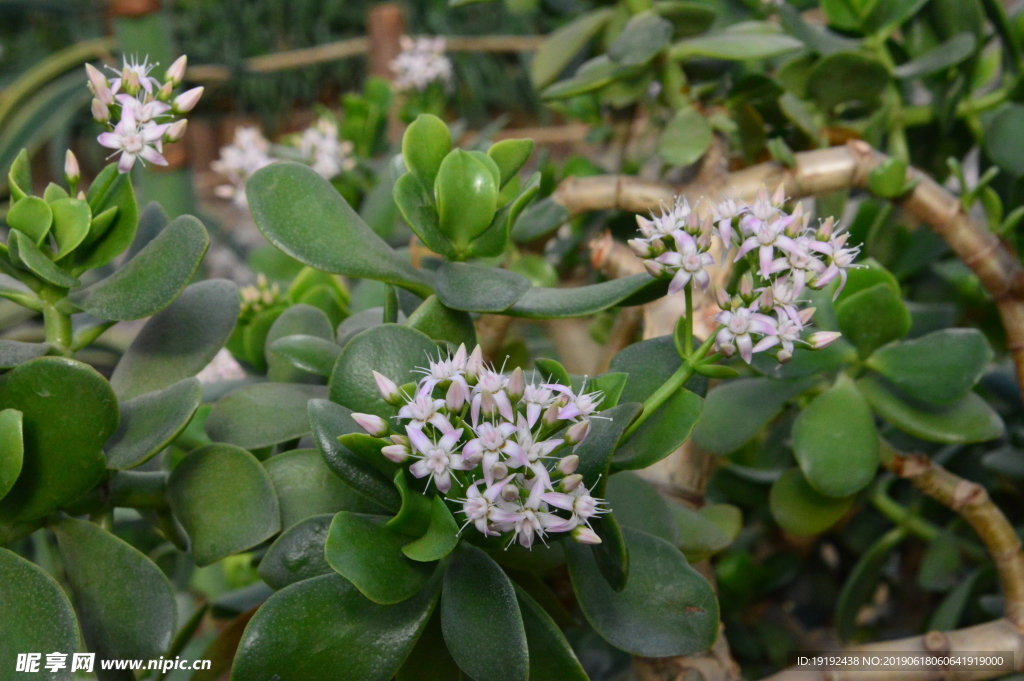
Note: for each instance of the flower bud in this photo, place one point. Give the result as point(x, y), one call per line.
point(187, 100)
point(499, 471)
point(396, 453)
point(100, 112)
point(387, 389)
point(644, 225)
point(822, 339)
point(767, 300)
point(165, 91)
point(130, 79)
point(551, 414)
point(509, 492)
point(654, 268)
point(825, 230)
point(722, 298)
point(516, 385)
point(569, 464)
point(474, 365)
point(571, 482)
point(577, 432)
point(783, 356)
point(176, 73)
point(372, 424)
point(455, 399)
point(488, 405)
point(806, 315)
point(585, 535)
point(641, 247)
point(97, 80)
point(71, 171)
point(176, 131)
point(779, 197)
point(400, 439)
point(746, 290)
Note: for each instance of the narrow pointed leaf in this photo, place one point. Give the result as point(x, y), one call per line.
point(109, 238)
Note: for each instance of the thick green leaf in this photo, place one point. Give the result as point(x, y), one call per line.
point(441, 537)
point(806, 362)
point(938, 368)
point(969, 419)
point(225, 500)
point(481, 620)
point(363, 550)
point(561, 46)
point(71, 220)
point(685, 139)
point(392, 350)
point(152, 220)
point(510, 155)
point(151, 280)
point(263, 414)
point(593, 75)
point(948, 614)
point(551, 656)
point(180, 340)
point(597, 450)
point(124, 602)
point(735, 46)
point(539, 219)
point(551, 303)
point(34, 617)
point(416, 203)
point(109, 238)
point(442, 323)
point(494, 241)
point(802, 511)
point(1002, 139)
point(16, 353)
point(430, 659)
point(644, 36)
point(844, 77)
point(25, 252)
point(12, 449)
point(863, 579)
point(425, 144)
point(873, 317)
point(638, 505)
point(298, 553)
point(860, 278)
point(735, 411)
point(667, 607)
point(466, 190)
point(302, 214)
point(63, 446)
point(699, 537)
point(32, 217)
point(323, 629)
point(19, 176)
point(254, 336)
point(310, 353)
point(329, 420)
point(150, 422)
point(942, 56)
point(662, 433)
point(306, 487)
point(461, 286)
point(649, 363)
point(835, 441)
point(611, 555)
point(413, 517)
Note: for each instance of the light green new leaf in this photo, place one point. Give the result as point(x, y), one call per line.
point(685, 139)
point(12, 449)
point(71, 220)
point(32, 217)
point(735, 46)
point(109, 237)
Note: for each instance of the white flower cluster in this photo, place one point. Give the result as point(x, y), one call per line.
point(491, 437)
point(790, 255)
point(421, 62)
point(248, 152)
point(324, 150)
point(141, 113)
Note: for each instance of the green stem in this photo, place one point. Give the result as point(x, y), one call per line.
point(660, 396)
point(58, 328)
point(688, 327)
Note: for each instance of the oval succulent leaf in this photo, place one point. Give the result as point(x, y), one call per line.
point(12, 449)
point(802, 511)
point(263, 414)
point(467, 195)
point(461, 286)
point(150, 422)
point(425, 145)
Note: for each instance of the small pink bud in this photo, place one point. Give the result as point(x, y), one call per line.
point(654, 268)
point(643, 224)
point(96, 78)
point(569, 464)
point(767, 300)
point(176, 131)
point(779, 197)
point(387, 389)
point(499, 470)
point(551, 415)
point(396, 453)
point(822, 339)
point(474, 364)
point(165, 91)
point(100, 112)
point(783, 356)
point(71, 171)
point(176, 73)
point(571, 482)
point(187, 100)
point(509, 492)
point(372, 424)
point(825, 230)
point(81, 195)
point(722, 298)
point(455, 399)
point(577, 432)
point(488, 405)
point(400, 439)
point(641, 247)
point(746, 286)
point(585, 535)
point(516, 385)
point(806, 315)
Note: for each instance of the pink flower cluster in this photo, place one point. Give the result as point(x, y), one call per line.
point(495, 444)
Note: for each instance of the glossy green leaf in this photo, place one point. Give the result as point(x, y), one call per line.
point(416, 203)
point(561, 46)
point(597, 450)
point(736, 411)
point(1002, 141)
point(19, 176)
point(540, 219)
point(108, 238)
point(685, 139)
point(430, 659)
point(12, 449)
point(662, 433)
point(392, 350)
point(309, 353)
point(942, 56)
point(557, 303)
point(467, 195)
point(297, 319)
point(133, 292)
point(32, 217)
point(306, 487)
point(644, 36)
point(329, 420)
point(225, 500)
point(124, 602)
point(35, 616)
point(611, 386)
point(71, 220)
point(441, 323)
point(863, 579)
point(889, 179)
point(254, 336)
point(425, 144)
point(461, 286)
point(649, 363)
point(495, 239)
point(441, 538)
point(939, 368)
point(302, 214)
point(178, 341)
point(510, 155)
point(735, 46)
point(150, 422)
point(413, 517)
point(263, 414)
point(481, 620)
point(638, 505)
point(611, 555)
point(835, 441)
point(844, 77)
point(369, 448)
point(969, 419)
point(298, 553)
point(367, 553)
point(25, 252)
point(551, 656)
point(802, 511)
point(667, 607)
point(15, 353)
point(323, 629)
point(873, 317)
point(860, 278)
point(552, 371)
point(63, 447)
